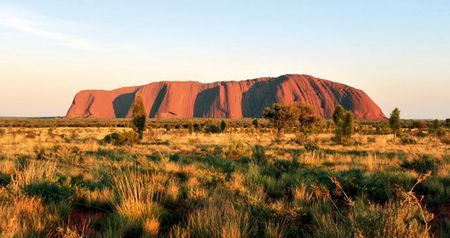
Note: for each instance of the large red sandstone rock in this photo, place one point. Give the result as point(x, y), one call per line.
point(225, 99)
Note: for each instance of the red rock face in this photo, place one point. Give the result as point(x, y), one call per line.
point(225, 99)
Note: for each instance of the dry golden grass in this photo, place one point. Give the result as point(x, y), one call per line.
point(176, 184)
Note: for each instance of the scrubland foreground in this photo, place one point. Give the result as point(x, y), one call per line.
point(67, 182)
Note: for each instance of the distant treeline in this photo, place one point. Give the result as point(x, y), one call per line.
point(198, 124)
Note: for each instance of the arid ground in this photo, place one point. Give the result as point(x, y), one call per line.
point(58, 181)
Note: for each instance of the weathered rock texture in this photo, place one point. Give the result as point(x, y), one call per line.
point(231, 99)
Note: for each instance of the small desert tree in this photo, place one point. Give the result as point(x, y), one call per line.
point(343, 124)
point(138, 116)
point(223, 125)
point(394, 121)
point(338, 116)
point(255, 123)
point(281, 116)
point(306, 116)
point(191, 128)
point(436, 128)
point(347, 125)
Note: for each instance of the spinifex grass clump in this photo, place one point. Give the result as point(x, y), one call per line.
point(122, 138)
point(404, 216)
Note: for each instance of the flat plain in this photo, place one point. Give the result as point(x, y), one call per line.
point(59, 181)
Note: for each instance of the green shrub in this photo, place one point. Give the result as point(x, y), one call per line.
point(255, 123)
point(49, 192)
point(212, 128)
point(198, 127)
point(419, 124)
point(394, 121)
point(121, 138)
point(223, 164)
point(117, 154)
point(139, 116)
point(236, 149)
point(343, 124)
point(420, 165)
point(223, 125)
point(4, 179)
point(274, 188)
point(259, 154)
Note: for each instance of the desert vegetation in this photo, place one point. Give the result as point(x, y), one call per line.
point(225, 178)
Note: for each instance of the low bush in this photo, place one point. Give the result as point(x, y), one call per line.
point(407, 139)
point(4, 179)
point(255, 123)
point(49, 192)
point(212, 128)
point(121, 138)
point(223, 164)
point(259, 154)
point(236, 149)
point(223, 125)
point(420, 165)
point(117, 154)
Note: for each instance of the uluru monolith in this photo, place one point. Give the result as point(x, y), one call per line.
point(227, 99)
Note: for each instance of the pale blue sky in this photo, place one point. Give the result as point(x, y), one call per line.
point(396, 51)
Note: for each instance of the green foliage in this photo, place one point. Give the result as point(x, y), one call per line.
point(236, 148)
point(212, 128)
point(49, 192)
point(338, 114)
point(223, 125)
point(139, 116)
point(191, 128)
point(282, 116)
point(4, 179)
point(344, 124)
point(255, 123)
point(121, 138)
point(220, 163)
point(259, 154)
point(306, 116)
point(419, 124)
point(394, 121)
point(421, 165)
point(436, 128)
point(347, 126)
